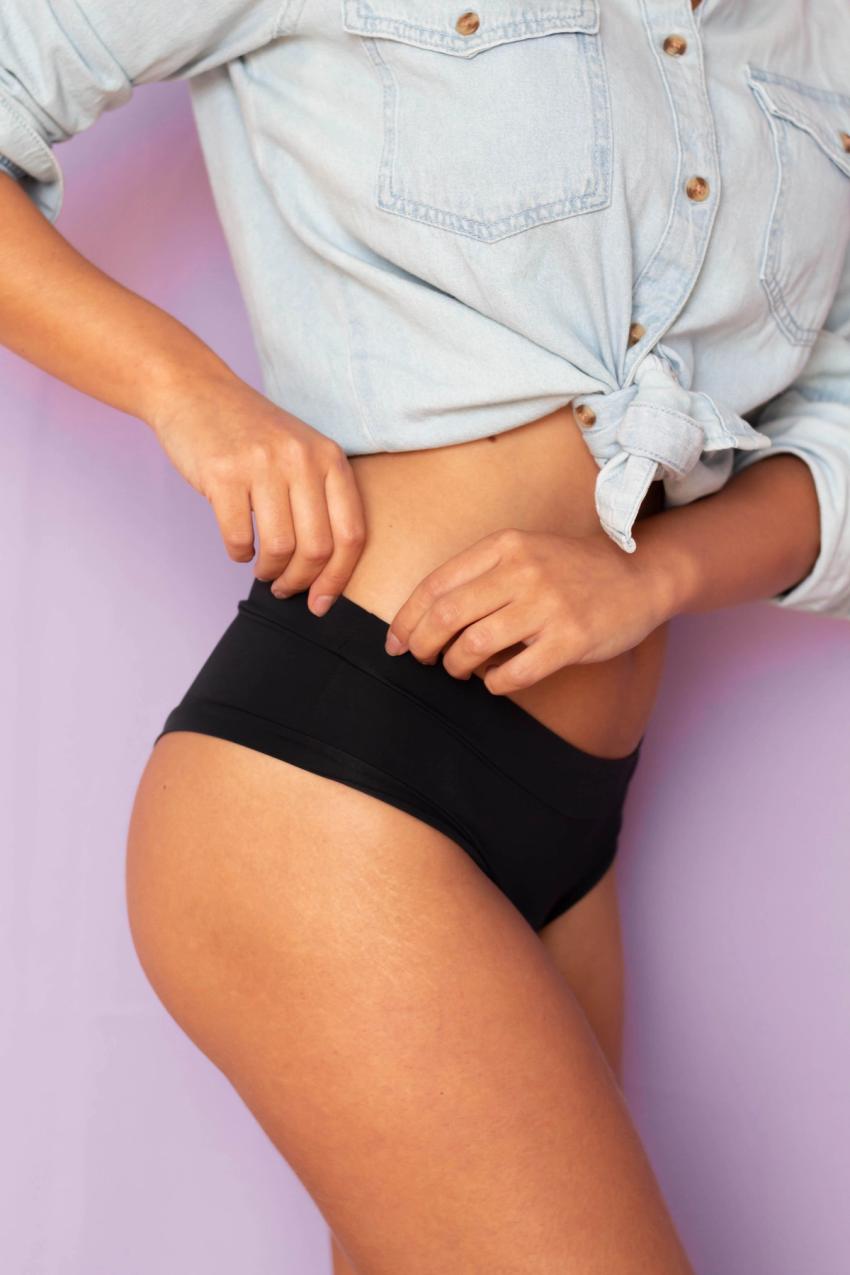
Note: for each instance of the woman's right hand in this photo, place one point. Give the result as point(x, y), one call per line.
point(242, 452)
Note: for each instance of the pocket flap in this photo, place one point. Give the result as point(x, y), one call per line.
point(822, 113)
point(431, 24)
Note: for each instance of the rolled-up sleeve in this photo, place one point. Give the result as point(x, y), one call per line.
point(811, 419)
point(64, 62)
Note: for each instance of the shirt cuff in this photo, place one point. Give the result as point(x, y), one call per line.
point(826, 588)
point(30, 160)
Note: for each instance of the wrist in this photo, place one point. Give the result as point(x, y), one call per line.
point(177, 383)
point(668, 569)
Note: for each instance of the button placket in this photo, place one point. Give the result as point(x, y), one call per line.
point(660, 291)
point(651, 426)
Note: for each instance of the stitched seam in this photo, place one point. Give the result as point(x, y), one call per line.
point(437, 38)
point(9, 166)
point(807, 90)
point(258, 154)
point(35, 139)
point(671, 211)
point(796, 333)
point(822, 135)
point(280, 27)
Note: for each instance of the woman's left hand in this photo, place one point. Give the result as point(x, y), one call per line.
point(564, 599)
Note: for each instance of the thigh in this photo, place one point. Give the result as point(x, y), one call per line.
point(585, 944)
point(388, 1017)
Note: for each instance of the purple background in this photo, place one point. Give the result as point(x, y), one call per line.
point(124, 1150)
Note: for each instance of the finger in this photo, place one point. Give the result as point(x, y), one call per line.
point(447, 619)
point(473, 561)
point(536, 661)
point(231, 505)
point(348, 528)
point(313, 536)
point(511, 626)
point(275, 529)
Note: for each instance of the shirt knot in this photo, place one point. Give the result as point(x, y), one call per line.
point(654, 428)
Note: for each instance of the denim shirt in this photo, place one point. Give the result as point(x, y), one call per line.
point(447, 222)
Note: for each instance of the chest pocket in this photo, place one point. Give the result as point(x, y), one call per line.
point(494, 119)
point(807, 231)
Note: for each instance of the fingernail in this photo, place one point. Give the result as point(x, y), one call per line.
point(393, 646)
point(280, 593)
point(323, 603)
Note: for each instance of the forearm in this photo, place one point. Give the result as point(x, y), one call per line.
point(753, 539)
point(62, 313)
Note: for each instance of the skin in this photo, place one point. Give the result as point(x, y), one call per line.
point(384, 1012)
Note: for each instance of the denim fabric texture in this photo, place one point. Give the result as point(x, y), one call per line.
point(447, 222)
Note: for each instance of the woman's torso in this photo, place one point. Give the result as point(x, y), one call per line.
point(423, 507)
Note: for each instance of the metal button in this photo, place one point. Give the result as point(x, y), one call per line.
point(468, 23)
point(845, 140)
point(636, 332)
point(675, 45)
point(585, 415)
point(696, 188)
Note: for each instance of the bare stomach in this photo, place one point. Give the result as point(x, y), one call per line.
point(425, 506)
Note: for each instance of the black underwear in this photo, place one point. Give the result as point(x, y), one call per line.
point(539, 815)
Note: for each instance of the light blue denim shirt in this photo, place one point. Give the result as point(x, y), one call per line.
point(447, 222)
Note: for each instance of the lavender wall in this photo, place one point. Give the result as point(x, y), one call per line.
point(124, 1150)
